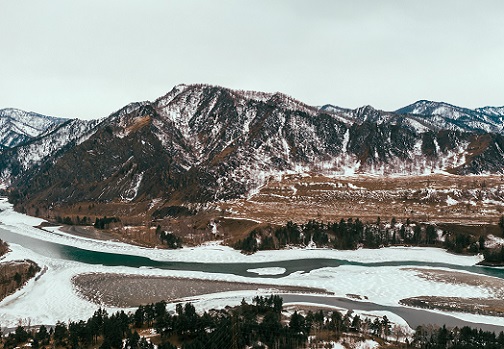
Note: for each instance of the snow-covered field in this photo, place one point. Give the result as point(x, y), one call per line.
point(51, 296)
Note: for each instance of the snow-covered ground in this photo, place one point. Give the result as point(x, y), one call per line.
point(51, 296)
point(214, 252)
point(268, 271)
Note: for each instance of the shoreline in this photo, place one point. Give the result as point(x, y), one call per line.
point(130, 290)
point(484, 263)
point(37, 300)
point(15, 274)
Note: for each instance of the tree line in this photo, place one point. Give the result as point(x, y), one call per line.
point(353, 233)
point(431, 337)
point(259, 324)
point(496, 256)
point(99, 223)
point(247, 325)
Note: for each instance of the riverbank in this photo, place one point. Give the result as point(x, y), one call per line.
point(129, 290)
point(214, 252)
point(374, 275)
point(14, 275)
point(482, 306)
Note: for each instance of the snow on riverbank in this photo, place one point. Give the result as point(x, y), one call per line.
point(268, 271)
point(215, 253)
point(52, 296)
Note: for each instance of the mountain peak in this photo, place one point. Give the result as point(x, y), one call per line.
point(199, 143)
point(18, 126)
point(448, 116)
point(426, 107)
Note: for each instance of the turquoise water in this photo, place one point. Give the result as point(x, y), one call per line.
point(55, 250)
point(414, 317)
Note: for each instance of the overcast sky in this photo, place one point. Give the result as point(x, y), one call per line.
point(88, 58)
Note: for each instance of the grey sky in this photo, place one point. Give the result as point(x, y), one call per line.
point(88, 58)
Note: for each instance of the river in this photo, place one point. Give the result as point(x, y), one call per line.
point(55, 250)
point(413, 317)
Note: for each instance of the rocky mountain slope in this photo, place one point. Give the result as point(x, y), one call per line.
point(201, 143)
point(18, 126)
point(446, 116)
point(45, 149)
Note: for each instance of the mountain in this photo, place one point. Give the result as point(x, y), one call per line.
point(202, 143)
point(44, 149)
point(18, 126)
point(492, 111)
point(427, 115)
point(447, 116)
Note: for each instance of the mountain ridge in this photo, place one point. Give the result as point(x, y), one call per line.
point(487, 119)
point(19, 126)
point(202, 143)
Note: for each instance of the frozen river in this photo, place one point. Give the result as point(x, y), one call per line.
point(381, 277)
point(72, 253)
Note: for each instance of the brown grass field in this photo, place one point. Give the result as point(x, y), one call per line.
point(434, 198)
point(468, 204)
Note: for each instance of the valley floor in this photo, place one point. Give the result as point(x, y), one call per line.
point(55, 295)
point(438, 197)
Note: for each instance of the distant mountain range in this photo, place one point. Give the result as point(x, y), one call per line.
point(17, 126)
point(430, 116)
point(201, 143)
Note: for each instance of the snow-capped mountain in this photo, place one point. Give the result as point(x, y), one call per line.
point(44, 149)
point(18, 126)
point(201, 143)
point(427, 115)
point(492, 111)
point(447, 116)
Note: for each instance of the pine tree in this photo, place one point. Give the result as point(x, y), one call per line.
point(385, 324)
point(132, 340)
point(60, 333)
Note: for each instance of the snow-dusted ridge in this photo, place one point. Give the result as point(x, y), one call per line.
point(26, 156)
point(18, 126)
point(447, 116)
point(216, 143)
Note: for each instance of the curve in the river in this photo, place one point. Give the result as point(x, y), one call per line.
point(55, 250)
point(414, 317)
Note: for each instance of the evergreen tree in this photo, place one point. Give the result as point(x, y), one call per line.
point(42, 335)
point(60, 333)
point(270, 329)
point(385, 325)
point(356, 323)
point(431, 234)
point(21, 335)
point(133, 340)
point(298, 329)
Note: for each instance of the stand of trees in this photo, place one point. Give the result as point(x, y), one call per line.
point(350, 234)
point(428, 337)
point(256, 325)
point(103, 223)
point(494, 256)
point(100, 223)
point(171, 240)
point(247, 325)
